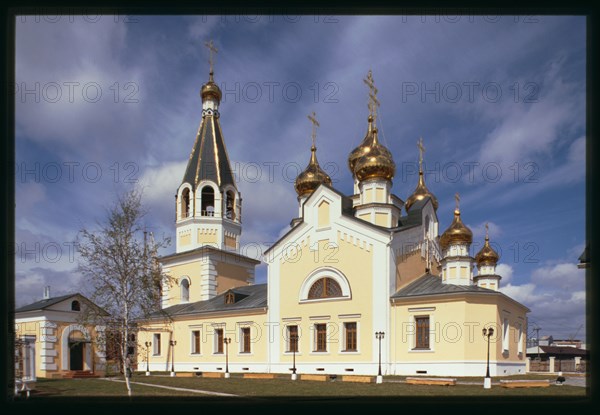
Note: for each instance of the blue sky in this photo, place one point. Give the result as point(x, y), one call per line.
point(104, 103)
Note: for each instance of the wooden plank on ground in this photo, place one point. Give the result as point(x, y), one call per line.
point(212, 374)
point(319, 378)
point(525, 383)
point(431, 381)
point(357, 378)
point(260, 375)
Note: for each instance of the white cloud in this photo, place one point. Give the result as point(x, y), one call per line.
point(506, 272)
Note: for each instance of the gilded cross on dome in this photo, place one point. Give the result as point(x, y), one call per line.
point(313, 119)
point(421, 150)
point(212, 49)
point(487, 228)
point(373, 101)
point(457, 199)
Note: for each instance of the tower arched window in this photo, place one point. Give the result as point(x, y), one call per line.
point(230, 205)
point(325, 288)
point(185, 203)
point(185, 290)
point(75, 306)
point(208, 201)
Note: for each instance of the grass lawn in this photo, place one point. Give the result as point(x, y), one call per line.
point(282, 387)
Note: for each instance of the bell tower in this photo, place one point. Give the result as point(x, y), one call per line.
point(208, 204)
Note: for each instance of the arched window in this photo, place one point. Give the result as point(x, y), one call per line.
point(208, 201)
point(230, 205)
point(325, 288)
point(75, 306)
point(185, 203)
point(185, 290)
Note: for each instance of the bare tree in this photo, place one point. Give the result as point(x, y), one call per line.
point(120, 269)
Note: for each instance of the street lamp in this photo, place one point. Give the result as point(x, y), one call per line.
point(487, 383)
point(227, 340)
point(379, 336)
point(148, 344)
point(294, 340)
point(173, 343)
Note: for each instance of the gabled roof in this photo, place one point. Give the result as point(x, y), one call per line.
point(249, 297)
point(44, 304)
point(209, 159)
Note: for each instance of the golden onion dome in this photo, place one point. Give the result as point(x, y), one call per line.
point(312, 177)
point(377, 163)
point(363, 148)
point(457, 233)
point(420, 193)
point(211, 89)
point(487, 255)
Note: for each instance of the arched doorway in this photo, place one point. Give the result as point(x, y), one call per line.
point(76, 349)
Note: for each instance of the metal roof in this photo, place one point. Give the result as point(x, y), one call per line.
point(43, 304)
point(430, 284)
point(250, 297)
point(209, 159)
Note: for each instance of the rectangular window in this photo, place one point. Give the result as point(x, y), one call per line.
point(156, 344)
point(196, 342)
point(422, 341)
point(218, 341)
point(292, 344)
point(350, 336)
point(520, 345)
point(321, 337)
point(245, 340)
point(505, 329)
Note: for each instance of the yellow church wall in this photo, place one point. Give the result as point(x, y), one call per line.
point(365, 217)
point(178, 272)
point(379, 195)
point(230, 241)
point(355, 263)
point(185, 239)
point(181, 331)
point(447, 331)
point(381, 219)
point(408, 268)
point(230, 276)
point(323, 213)
point(207, 236)
point(456, 329)
point(368, 196)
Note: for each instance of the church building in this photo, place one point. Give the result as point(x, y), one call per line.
point(357, 280)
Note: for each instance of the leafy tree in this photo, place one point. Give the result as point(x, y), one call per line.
point(118, 262)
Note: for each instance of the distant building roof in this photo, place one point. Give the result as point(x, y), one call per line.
point(558, 351)
point(249, 297)
point(43, 304)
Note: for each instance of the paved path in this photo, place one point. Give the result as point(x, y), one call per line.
point(177, 389)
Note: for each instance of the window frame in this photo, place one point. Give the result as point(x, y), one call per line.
point(289, 343)
point(218, 347)
point(326, 282)
point(422, 332)
point(245, 340)
point(156, 344)
point(318, 340)
point(347, 337)
point(195, 342)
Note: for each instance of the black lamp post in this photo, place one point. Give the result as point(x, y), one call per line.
point(227, 340)
point(379, 335)
point(173, 343)
point(487, 383)
point(294, 340)
point(148, 344)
